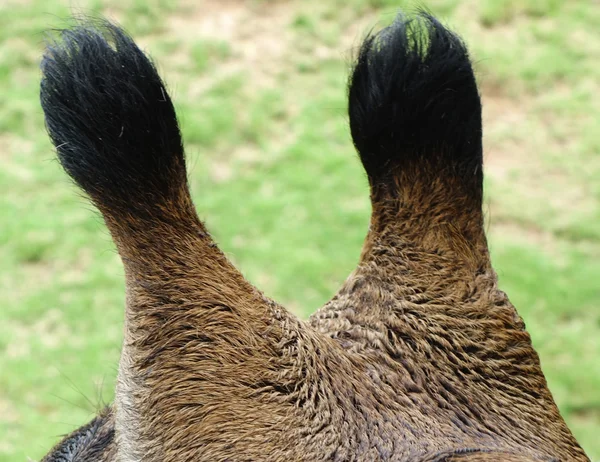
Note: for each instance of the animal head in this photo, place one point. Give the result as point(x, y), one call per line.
point(418, 357)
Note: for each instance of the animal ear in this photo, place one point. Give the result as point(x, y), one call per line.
point(102, 97)
point(415, 118)
point(414, 104)
point(203, 348)
point(94, 441)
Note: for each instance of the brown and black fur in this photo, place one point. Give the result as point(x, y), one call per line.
point(419, 357)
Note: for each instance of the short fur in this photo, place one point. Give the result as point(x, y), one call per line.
point(92, 442)
point(419, 357)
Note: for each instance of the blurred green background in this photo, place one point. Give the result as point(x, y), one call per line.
point(260, 90)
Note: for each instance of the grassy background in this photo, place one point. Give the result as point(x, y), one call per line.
point(260, 89)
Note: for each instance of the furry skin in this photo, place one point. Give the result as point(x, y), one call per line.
point(419, 357)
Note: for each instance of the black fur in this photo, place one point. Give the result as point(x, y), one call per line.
point(413, 98)
point(110, 117)
point(90, 442)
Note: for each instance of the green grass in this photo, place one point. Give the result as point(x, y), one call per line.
point(274, 174)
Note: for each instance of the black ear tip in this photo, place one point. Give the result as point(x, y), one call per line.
point(108, 113)
point(413, 97)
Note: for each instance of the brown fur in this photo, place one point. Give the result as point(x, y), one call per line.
point(419, 357)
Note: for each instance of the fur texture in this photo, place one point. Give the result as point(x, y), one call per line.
point(111, 118)
point(419, 357)
point(92, 442)
point(414, 101)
